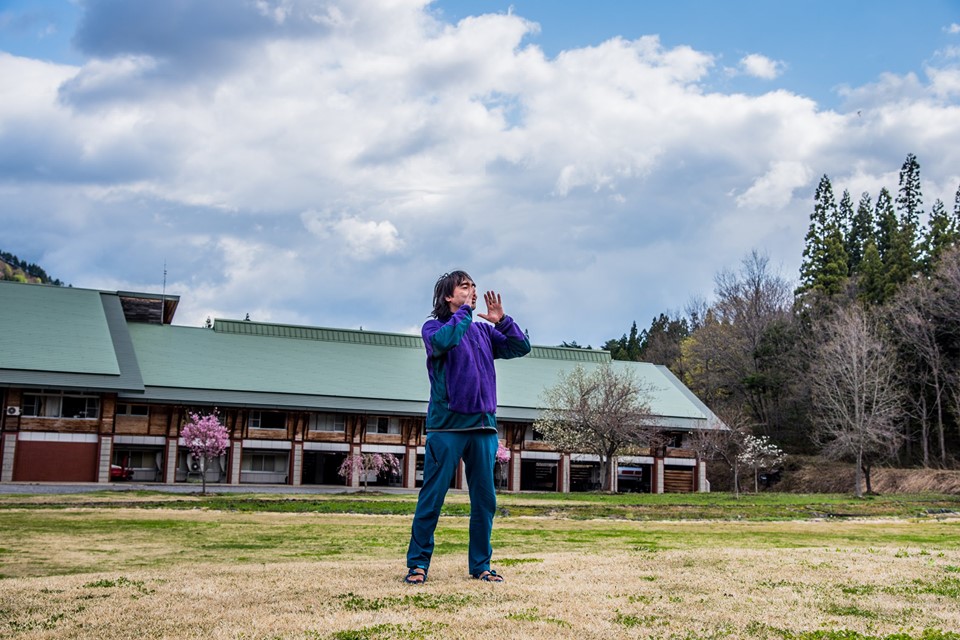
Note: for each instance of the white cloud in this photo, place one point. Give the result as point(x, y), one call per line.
point(944, 83)
point(329, 166)
point(774, 189)
point(760, 66)
point(363, 239)
point(952, 28)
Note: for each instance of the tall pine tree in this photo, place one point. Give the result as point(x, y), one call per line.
point(940, 236)
point(910, 203)
point(861, 232)
point(825, 263)
point(871, 282)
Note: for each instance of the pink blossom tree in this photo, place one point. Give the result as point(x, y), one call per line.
point(364, 464)
point(206, 438)
point(502, 458)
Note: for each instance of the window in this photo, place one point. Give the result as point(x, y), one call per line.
point(383, 424)
point(265, 462)
point(532, 434)
point(133, 410)
point(135, 459)
point(57, 404)
point(268, 420)
point(328, 422)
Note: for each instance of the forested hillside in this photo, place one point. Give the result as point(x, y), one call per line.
point(13, 268)
point(859, 359)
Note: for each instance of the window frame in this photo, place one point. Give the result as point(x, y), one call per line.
point(49, 404)
point(389, 424)
point(255, 420)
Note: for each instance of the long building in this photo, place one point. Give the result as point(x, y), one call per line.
point(96, 385)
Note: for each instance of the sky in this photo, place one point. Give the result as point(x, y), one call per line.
point(322, 162)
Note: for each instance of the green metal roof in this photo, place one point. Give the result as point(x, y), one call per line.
point(257, 363)
point(175, 356)
point(55, 329)
point(63, 337)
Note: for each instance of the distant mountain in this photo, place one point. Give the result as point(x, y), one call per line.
point(13, 268)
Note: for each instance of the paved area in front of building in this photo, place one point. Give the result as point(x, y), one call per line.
point(87, 487)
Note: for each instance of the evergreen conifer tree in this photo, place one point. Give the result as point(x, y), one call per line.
point(885, 217)
point(825, 262)
point(940, 236)
point(896, 245)
point(910, 201)
point(871, 282)
point(861, 232)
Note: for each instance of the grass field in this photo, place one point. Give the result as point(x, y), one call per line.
point(151, 565)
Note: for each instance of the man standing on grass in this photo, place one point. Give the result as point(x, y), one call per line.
point(461, 417)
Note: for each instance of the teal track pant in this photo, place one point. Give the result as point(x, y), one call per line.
point(444, 450)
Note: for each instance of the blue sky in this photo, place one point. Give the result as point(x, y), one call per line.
point(322, 161)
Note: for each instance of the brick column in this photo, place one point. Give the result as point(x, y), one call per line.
point(170, 464)
point(702, 485)
point(410, 471)
point(563, 473)
point(296, 464)
point(355, 478)
point(8, 456)
point(514, 471)
point(236, 454)
point(104, 459)
point(657, 484)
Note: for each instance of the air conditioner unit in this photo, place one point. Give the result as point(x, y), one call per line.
point(13, 411)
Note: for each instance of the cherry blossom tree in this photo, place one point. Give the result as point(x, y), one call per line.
point(363, 464)
point(206, 438)
point(502, 458)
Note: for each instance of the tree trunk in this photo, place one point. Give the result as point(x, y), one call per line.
point(604, 473)
point(858, 475)
point(866, 477)
point(940, 435)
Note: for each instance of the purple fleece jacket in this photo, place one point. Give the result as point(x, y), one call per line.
point(463, 380)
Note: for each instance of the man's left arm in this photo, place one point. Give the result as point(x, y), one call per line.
point(508, 339)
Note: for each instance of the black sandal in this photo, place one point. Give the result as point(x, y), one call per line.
point(415, 571)
point(488, 576)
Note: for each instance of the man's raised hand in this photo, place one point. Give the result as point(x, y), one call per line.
point(494, 312)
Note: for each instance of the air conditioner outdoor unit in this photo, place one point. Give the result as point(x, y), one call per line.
point(13, 411)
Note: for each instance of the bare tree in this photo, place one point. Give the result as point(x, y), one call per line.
point(602, 411)
point(916, 327)
point(945, 285)
point(856, 393)
point(741, 352)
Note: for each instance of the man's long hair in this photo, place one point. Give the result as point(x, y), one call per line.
point(443, 290)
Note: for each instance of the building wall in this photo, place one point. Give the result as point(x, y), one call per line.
point(44, 450)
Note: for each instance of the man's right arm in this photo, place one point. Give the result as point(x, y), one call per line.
point(441, 338)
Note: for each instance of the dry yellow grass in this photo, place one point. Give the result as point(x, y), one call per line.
point(565, 579)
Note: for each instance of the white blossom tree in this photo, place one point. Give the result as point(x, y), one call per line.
point(759, 454)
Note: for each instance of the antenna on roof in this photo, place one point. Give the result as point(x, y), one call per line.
point(163, 293)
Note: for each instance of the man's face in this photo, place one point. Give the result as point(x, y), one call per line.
point(463, 293)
